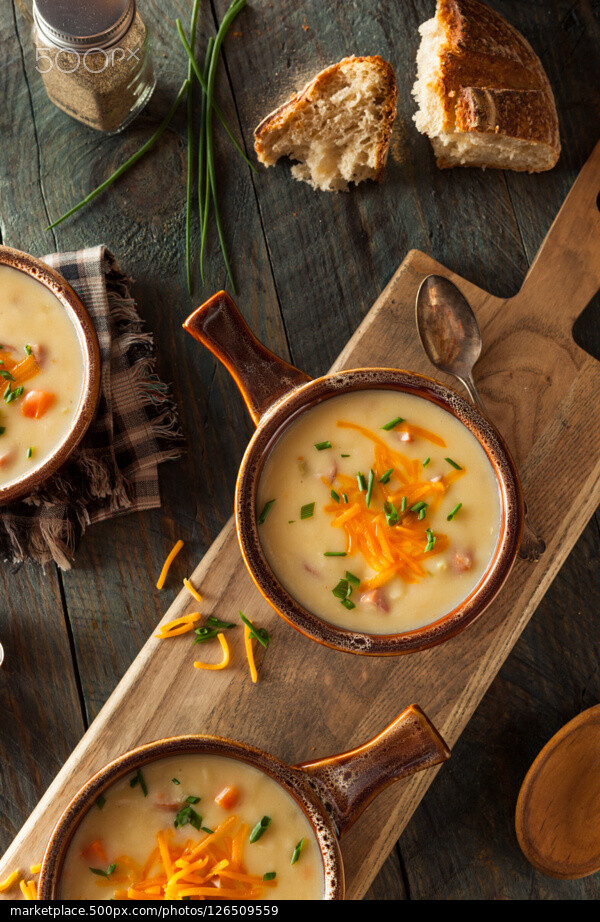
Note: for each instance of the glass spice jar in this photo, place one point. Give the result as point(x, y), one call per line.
point(94, 59)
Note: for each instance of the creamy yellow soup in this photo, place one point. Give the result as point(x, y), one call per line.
point(41, 373)
point(378, 511)
point(236, 833)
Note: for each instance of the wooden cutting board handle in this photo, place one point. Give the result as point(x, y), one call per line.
point(565, 274)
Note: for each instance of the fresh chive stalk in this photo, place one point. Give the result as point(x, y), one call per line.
point(453, 512)
point(335, 554)
point(453, 464)
point(259, 633)
point(307, 511)
point(296, 852)
point(370, 487)
point(321, 446)
point(386, 477)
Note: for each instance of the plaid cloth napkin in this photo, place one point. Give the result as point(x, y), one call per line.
point(114, 470)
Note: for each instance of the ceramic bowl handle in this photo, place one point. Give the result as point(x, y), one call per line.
point(261, 376)
point(348, 782)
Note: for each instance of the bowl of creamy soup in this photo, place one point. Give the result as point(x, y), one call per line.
point(377, 510)
point(50, 370)
point(206, 818)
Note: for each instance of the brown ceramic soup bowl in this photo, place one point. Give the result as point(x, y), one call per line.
point(330, 792)
point(90, 355)
point(276, 394)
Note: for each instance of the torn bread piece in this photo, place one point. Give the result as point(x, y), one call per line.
point(483, 95)
point(337, 128)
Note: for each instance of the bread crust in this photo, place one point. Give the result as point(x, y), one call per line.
point(491, 80)
point(294, 107)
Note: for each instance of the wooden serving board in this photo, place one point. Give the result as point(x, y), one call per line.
point(542, 391)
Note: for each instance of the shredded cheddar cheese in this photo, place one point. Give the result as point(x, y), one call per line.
point(35, 868)
point(171, 557)
point(250, 653)
point(178, 626)
point(10, 880)
point(209, 868)
point(192, 590)
point(224, 662)
point(388, 532)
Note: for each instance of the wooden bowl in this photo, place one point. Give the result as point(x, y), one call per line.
point(558, 810)
point(331, 792)
point(88, 341)
point(276, 393)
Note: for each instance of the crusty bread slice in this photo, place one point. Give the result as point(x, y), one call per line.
point(338, 127)
point(484, 98)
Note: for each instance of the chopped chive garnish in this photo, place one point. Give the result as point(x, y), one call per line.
point(2, 430)
point(334, 554)
point(391, 514)
point(362, 484)
point(345, 497)
point(307, 511)
point(175, 780)
point(343, 589)
point(28, 349)
point(345, 456)
point(370, 487)
point(296, 852)
point(335, 496)
point(265, 512)
point(352, 578)
point(426, 461)
point(321, 446)
point(100, 873)
point(385, 477)
point(453, 463)
point(260, 633)
point(392, 423)
point(101, 801)
point(403, 504)
point(418, 507)
point(291, 521)
point(211, 628)
point(30, 451)
point(206, 829)
point(270, 875)
point(260, 828)
point(6, 375)
point(430, 540)
point(192, 799)
point(138, 778)
point(349, 604)
point(188, 816)
point(422, 514)
point(451, 515)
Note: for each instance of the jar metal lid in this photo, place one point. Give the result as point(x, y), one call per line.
point(85, 24)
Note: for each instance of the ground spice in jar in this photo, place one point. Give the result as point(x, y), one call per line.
point(94, 59)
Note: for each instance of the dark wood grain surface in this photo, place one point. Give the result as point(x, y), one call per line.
point(308, 266)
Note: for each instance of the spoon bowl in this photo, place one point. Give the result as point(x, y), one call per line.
point(452, 341)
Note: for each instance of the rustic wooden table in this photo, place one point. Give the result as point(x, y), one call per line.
point(308, 266)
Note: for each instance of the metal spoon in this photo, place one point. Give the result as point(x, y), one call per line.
point(452, 341)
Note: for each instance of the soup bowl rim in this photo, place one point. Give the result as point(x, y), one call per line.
point(293, 780)
point(90, 353)
point(302, 398)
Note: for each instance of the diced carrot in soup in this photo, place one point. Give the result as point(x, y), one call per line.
point(94, 851)
point(228, 797)
point(36, 403)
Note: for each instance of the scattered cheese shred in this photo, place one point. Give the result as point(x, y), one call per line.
point(178, 626)
point(212, 868)
point(35, 868)
point(10, 880)
point(250, 652)
point(28, 889)
point(192, 589)
point(224, 662)
point(167, 564)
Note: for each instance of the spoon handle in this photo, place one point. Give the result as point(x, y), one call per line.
point(532, 546)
